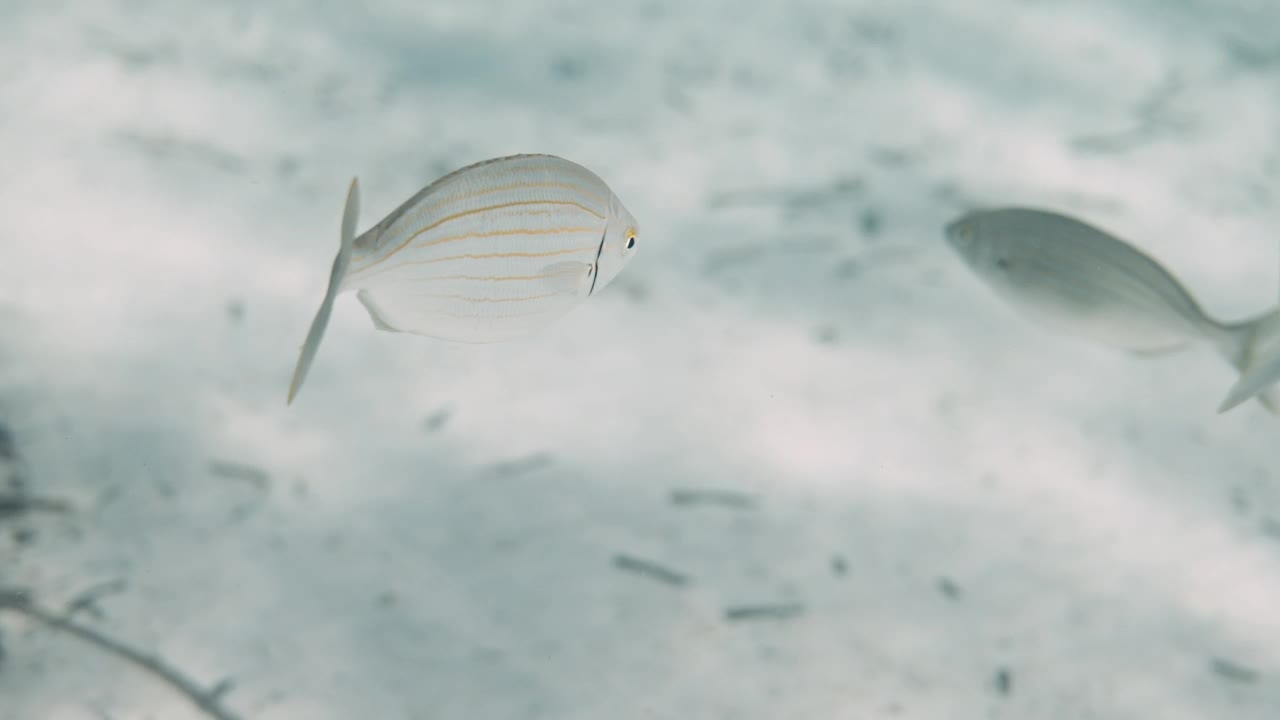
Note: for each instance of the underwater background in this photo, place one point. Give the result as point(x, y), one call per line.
point(795, 462)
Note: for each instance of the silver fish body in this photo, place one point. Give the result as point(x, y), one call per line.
point(1077, 279)
point(492, 252)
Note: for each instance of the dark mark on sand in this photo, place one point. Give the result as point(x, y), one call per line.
point(870, 222)
point(948, 588)
point(838, 565)
point(286, 166)
point(22, 504)
point(1003, 681)
point(193, 153)
point(1240, 500)
point(8, 450)
point(891, 157)
point(649, 569)
point(519, 466)
point(240, 471)
point(839, 190)
point(87, 601)
point(722, 498)
point(784, 611)
point(1271, 527)
point(209, 702)
point(1250, 56)
point(436, 421)
point(1231, 671)
point(569, 68)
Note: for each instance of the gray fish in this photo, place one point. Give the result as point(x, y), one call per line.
point(1077, 279)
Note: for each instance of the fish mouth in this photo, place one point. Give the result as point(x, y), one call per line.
point(954, 231)
point(962, 232)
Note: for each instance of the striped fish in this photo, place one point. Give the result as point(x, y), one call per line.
point(1077, 279)
point(494, 251)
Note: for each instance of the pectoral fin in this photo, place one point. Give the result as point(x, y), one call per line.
point(570, 278)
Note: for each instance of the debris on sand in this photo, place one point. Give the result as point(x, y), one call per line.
point(782, 611)
point(628, 563)
point(723, 498)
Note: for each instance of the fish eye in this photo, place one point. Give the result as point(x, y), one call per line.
point(631, 241)
point(961, 233)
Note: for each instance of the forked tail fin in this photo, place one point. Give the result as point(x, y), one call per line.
point(1256, 354)
point(350, 214)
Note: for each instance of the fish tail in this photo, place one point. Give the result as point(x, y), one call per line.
point(1253, 348)
point(350, 213)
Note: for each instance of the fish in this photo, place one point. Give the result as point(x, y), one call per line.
point(1072, 277)
point(491, 252)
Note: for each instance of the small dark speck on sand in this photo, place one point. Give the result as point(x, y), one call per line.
point(437, 420)
point(839, 566)
point(8, 451)
point(1003, 681)
point(826, 335)
point(239, 471)
point(847, 268)
point(1271, 527)
point(870, 222)
point(949, 588)
point(722, 498)
point(519, 466)
point(891, 157)
point(1231, 671)
point(628, 563)
point(784, 611)
point(567, 68)
point(1240, 500)
point(286, 166)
